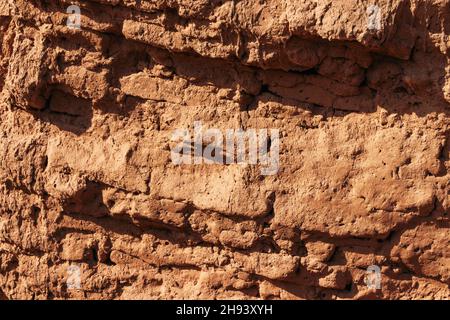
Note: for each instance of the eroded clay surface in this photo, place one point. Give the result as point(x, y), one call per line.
point(86, 176)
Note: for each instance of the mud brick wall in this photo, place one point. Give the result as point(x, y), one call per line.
point(86, 122)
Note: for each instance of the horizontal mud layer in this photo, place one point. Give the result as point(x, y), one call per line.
point(85, 157)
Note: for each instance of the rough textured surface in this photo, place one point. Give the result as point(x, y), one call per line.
point(86, 123)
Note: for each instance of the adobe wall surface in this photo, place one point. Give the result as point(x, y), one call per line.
point(359, 92)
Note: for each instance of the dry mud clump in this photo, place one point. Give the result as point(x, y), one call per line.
point(359, 91)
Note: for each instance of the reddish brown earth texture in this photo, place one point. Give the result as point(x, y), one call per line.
point(362, 104)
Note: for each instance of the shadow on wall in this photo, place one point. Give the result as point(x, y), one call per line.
point(3, 296)
point(67, 112)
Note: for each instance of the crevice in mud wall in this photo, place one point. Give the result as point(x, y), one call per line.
point(88, 185)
